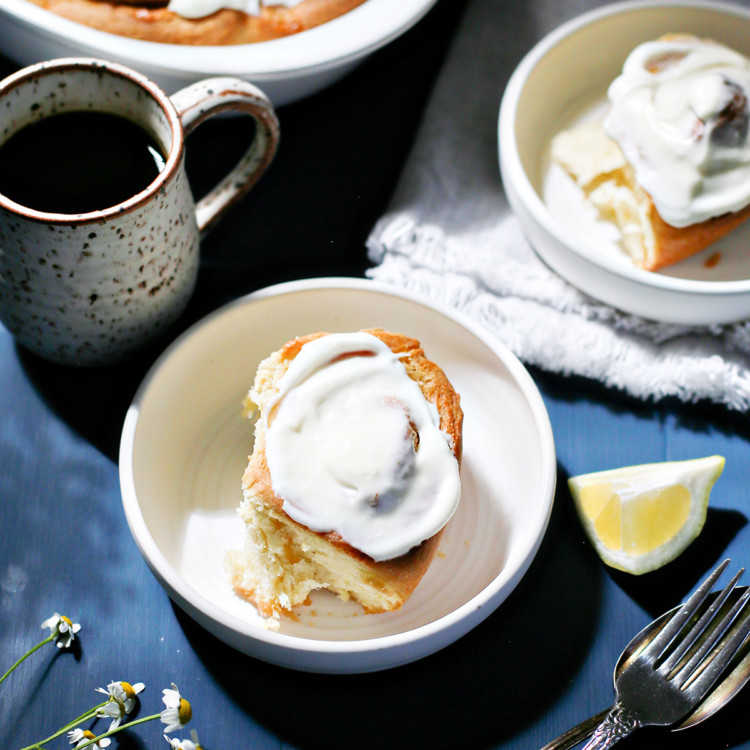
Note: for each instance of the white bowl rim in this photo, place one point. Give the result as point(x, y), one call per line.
point(512, 166)
point(187, 594)
point(349, 37)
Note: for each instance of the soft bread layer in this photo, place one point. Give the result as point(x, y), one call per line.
point(283, 561)
point(157, 24)
point(599, 168)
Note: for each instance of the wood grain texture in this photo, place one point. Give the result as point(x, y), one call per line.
point(538, 665)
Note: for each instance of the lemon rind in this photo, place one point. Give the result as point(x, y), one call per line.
point(699, 475)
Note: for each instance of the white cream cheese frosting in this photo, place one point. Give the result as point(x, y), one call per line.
point(201, 8)
point(353, 447)
point(679, 111)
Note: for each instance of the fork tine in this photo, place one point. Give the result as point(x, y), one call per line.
point(697, 630)
point(722, 652)
point(671, 630)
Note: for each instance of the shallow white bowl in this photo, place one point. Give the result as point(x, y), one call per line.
point(286, 69)
point(185, 444)
point(560, 79)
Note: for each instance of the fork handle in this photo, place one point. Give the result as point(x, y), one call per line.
point(577, 734)
point(619, 723)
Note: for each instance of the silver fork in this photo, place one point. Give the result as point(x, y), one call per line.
point(672, 674)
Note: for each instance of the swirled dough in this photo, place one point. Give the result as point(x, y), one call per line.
point(283, 560)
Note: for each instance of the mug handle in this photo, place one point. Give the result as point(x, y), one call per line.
point(204, 99)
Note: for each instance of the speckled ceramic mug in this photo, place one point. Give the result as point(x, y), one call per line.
point(90, 288)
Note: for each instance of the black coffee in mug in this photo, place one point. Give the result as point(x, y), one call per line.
point(77, 162)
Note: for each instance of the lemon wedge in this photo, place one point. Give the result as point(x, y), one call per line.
point(641, 517)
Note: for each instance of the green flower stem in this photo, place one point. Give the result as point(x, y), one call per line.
point(28, 654)
point(113, 731)
point(85, 715)
point(90, 714)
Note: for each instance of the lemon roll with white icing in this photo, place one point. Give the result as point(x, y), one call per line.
point(354, 447)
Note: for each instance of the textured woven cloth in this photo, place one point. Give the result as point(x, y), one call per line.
point(449, 235)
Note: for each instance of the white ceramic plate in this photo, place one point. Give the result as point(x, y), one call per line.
point(286, 69)
point(563, 78)
point(185, 444)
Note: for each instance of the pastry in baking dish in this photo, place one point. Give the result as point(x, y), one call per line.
point(200, 22)
point(670, 164)
point(354, 472)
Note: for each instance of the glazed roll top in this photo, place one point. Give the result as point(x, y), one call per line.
point(680, 115)
point(354, 447)
point(201, 8)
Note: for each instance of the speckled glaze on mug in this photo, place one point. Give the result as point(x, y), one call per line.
point(88, 289)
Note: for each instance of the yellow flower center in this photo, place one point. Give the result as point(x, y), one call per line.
point(128, 689)
point(185, 712)
point(88, 734)
point(67, 621)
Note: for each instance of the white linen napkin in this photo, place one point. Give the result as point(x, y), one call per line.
point(450, 235)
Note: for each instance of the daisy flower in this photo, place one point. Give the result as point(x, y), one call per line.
point(176, 744)
point(80, 737)
point(177, 712)
point(63, 629)
point(63, 632)
point(122, 700)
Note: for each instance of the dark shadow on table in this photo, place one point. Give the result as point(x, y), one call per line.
point(657, 592)
point(129, 740)
point(92, 401)
point(476, 693)
point(666, 587)
point(17, 697)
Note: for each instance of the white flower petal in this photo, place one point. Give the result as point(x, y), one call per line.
point(75, 736)
point(79, 737)
point(171, 697)
point(51, 623)
point(111, 709)
point(171, 717)
point(177, 709)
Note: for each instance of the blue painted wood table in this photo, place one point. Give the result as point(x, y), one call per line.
point(539, 664)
